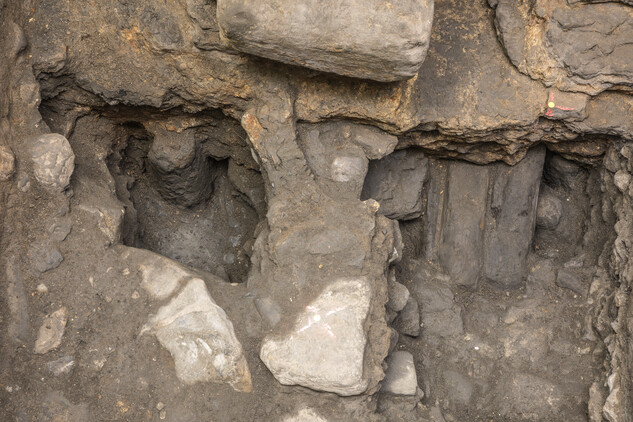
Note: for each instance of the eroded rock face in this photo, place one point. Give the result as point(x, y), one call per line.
point(384, 41)
point(325, 349)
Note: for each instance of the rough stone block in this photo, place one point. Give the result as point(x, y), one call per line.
point(385, 41)
point(325, 349)
point(512, 218)
point(53, 160)
point(200, 337)
point(401, 378)
point(396, 182)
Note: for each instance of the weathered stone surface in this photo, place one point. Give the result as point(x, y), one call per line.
point(183, 173)
point(408, 321)
point(568, 279)
point(53, 160)
point(401, 377)
point(325, 350)
point(44, 256)
point(338, 154)
point(384, 43)
point(396, 182)
point(548, 211)
point(398, 296)
point(580, 47)
point(200, 337)
point(51, 331)
point(440, 315)
point(512, 218)
point(461, 245)
point(7, 163)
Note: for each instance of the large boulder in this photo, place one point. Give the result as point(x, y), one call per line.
point(325, 349)
point(384, 41)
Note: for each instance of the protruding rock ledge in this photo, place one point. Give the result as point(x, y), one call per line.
point(384, 41)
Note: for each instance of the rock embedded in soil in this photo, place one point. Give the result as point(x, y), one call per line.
point(396, 182)
point(381, 43)
point(400, 378)
point(53, 160)
point(201, 339)
point(51, 331)
point(511, 220)
point(325, 348)
point(408, 321)
point(549, 211)
point(44, 256)
point(398, 296)
point(7, 163)
point(568, 279)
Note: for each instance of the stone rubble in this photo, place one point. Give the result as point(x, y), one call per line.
point(51, 331)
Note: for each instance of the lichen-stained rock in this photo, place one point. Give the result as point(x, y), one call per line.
point(53, 160)
point(396, 182)
point(581, 47)
point(325, 350)
point(384, 41)
point(200, 337)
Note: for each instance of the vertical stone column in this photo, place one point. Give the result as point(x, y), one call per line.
point(319, 267)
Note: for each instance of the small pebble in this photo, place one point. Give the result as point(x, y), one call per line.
point(160, 405)
point(41, 288)
point(162, 414)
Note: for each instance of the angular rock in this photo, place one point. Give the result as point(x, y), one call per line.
point(53, 160)
point(401, 378)
point(200, 337)
point(512, 218)
point(461, 246)
point(382, 42)
point(568, 279)
point(548, 211)
point(44, 256)
point(325, 349)
point(7, 163)
point(440, 315)
point(51, 331)
point(408, 322)
point(396, 182)
point(61, 366)
point(160, 276)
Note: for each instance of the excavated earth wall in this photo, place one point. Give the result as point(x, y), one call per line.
point(316, 210)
